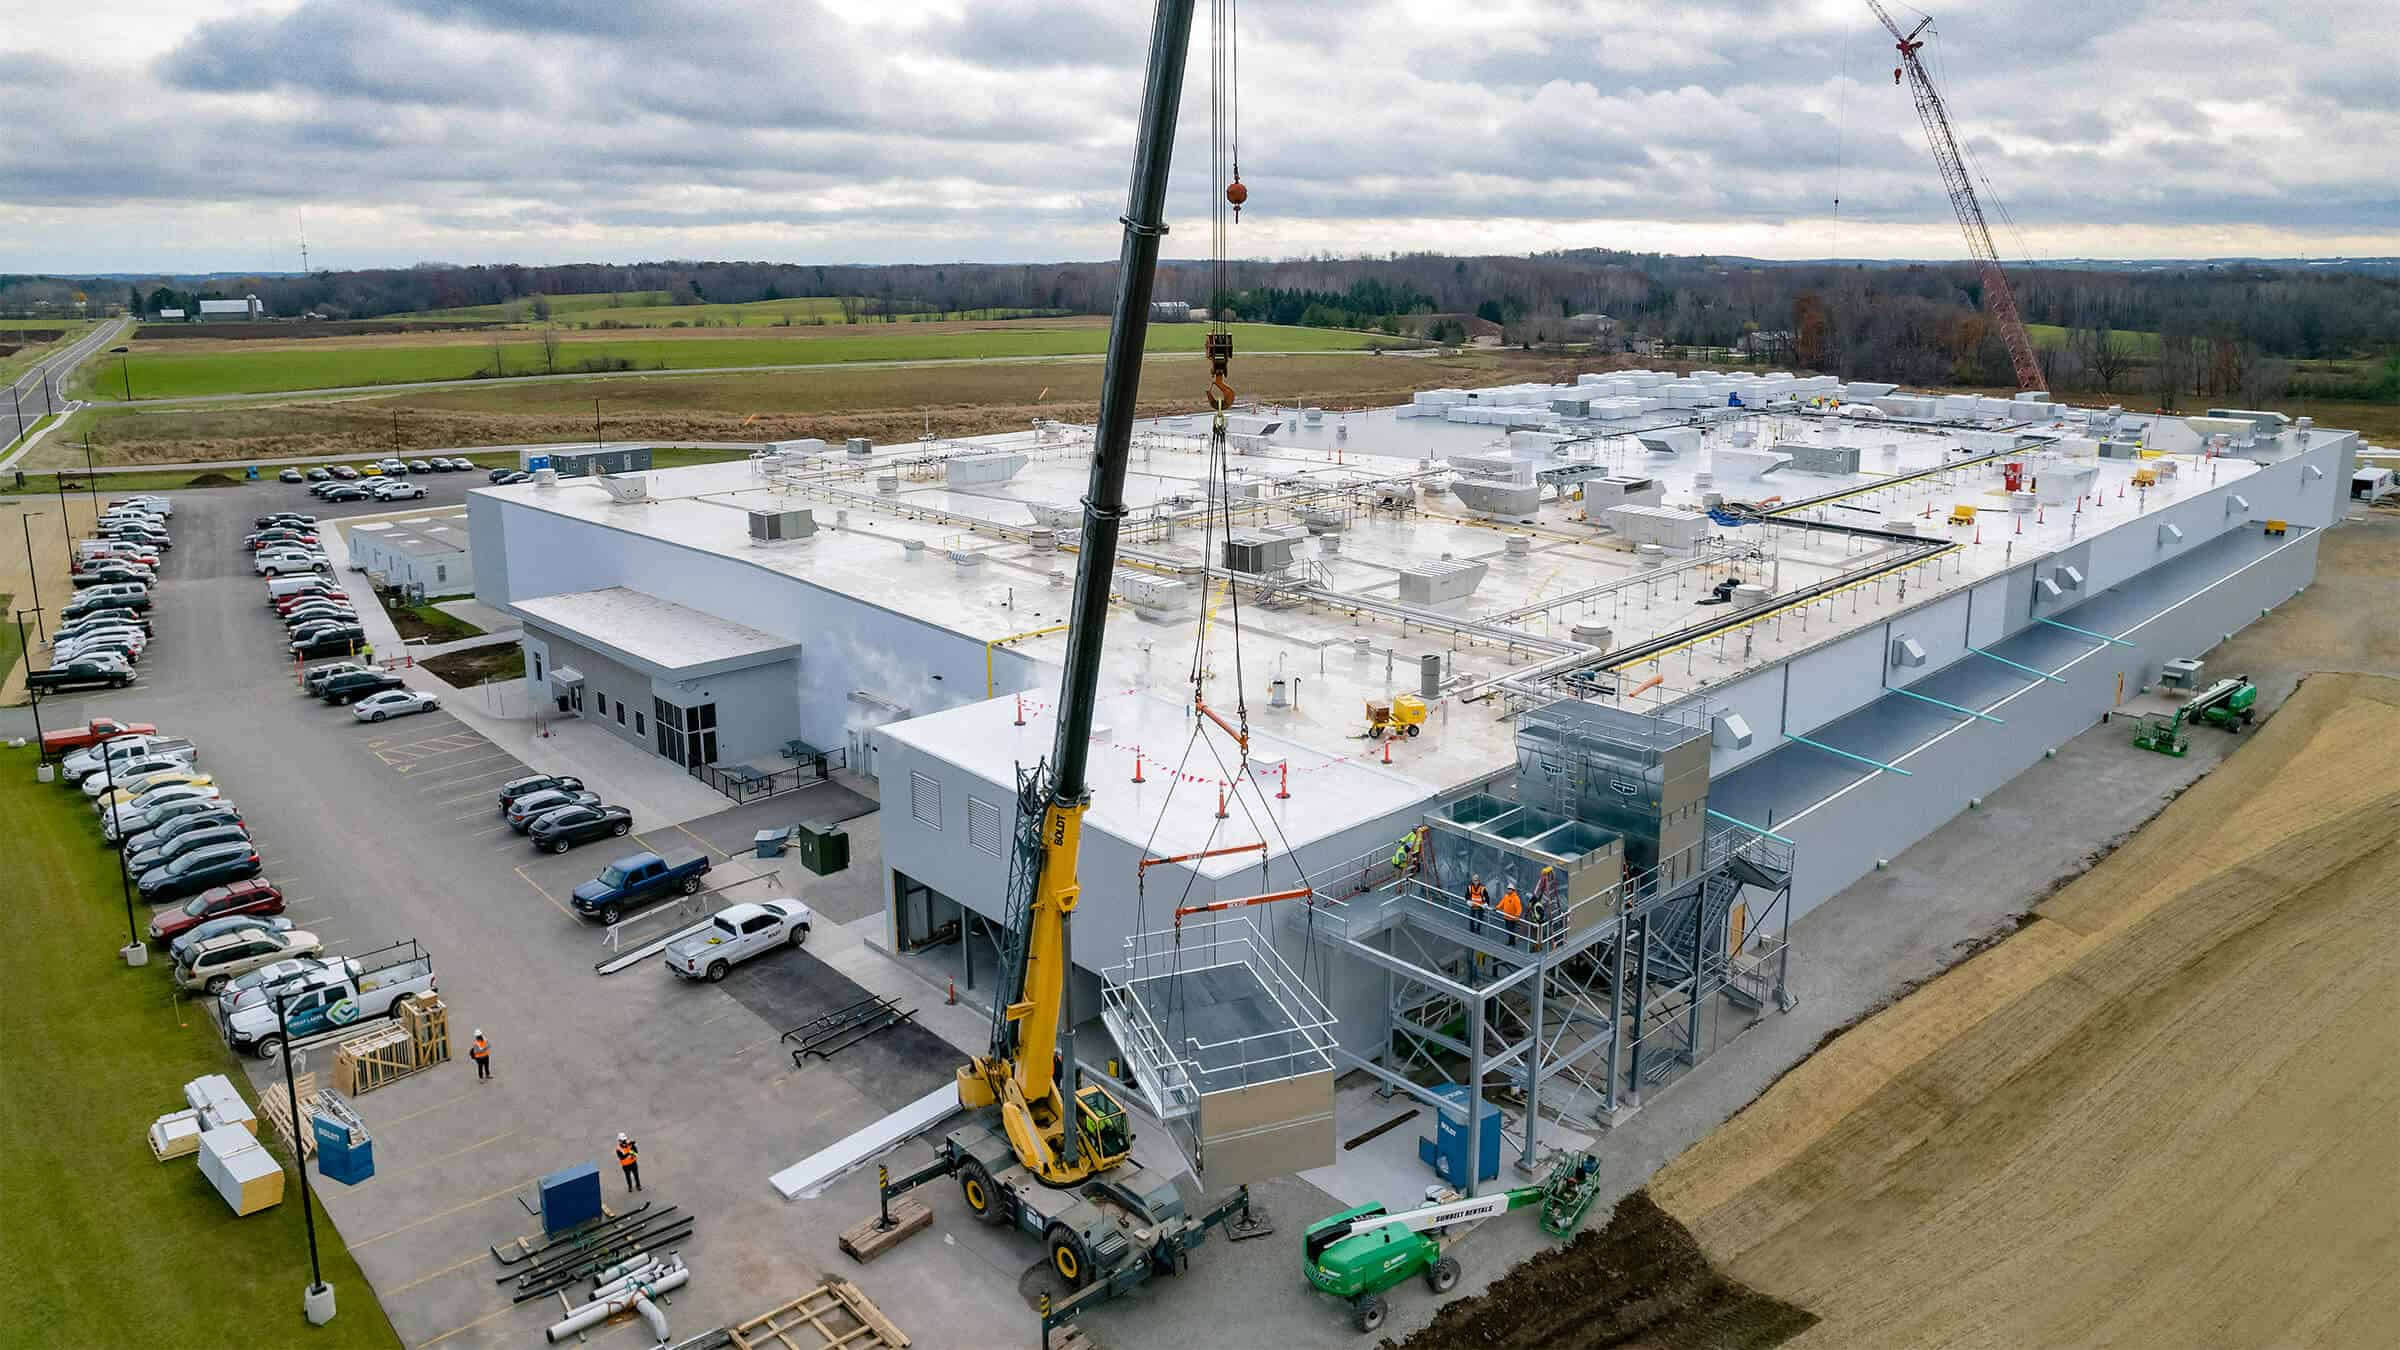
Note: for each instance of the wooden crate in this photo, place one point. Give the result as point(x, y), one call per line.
point(835, 1314)
point(427, 1020)
point(365, 1063)
point(278, 1110)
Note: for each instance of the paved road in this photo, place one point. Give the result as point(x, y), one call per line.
point(285, 395)
point(43, 388)
point(498, 455)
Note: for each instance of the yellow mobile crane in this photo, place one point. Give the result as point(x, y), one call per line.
point(1045, 1155)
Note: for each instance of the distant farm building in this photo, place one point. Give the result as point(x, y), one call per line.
point(248, 307)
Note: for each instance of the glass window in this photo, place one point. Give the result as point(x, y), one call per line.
point(620, 712)
point(537, 665)
point(638, 728)
point(603, 703)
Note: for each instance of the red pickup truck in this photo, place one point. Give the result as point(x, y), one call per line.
point(92, 733)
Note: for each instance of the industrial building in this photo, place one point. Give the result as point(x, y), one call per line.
point(1699, 650)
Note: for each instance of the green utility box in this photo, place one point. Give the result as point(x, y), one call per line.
point(824, 847)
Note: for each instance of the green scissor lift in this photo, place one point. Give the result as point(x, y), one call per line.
point(1361, 1252)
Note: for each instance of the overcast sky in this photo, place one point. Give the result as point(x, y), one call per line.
point(192, 134)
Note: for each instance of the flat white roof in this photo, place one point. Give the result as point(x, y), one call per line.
point(643, 626)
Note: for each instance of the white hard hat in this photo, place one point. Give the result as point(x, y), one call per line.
point(479, 1031)
point(621, 1136)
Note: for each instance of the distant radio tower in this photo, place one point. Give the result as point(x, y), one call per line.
point(304, 241)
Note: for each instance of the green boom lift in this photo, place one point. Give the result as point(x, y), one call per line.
point(1359, 1253)
point(2227, 704)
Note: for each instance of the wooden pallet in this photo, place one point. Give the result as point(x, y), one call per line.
point(377, 1059)
point(427, 1020)
point(277, 1108)
point(832, 1315)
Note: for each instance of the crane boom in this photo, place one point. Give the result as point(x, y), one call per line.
point(1999, 301)
point(1062, 1137)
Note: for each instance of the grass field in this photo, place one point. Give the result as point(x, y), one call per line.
point(431, 624)
point(32, 427)
point(105, 1245)
point(480, 665)
point(886, 403)
point(17, 363)
point(178, 369)
point(2126, 340)
point(652, 309)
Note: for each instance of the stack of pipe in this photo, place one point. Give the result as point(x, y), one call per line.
point(630, 1287)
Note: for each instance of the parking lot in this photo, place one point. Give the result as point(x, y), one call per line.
point(386, 832)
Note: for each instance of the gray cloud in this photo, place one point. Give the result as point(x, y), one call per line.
point(1000, 128)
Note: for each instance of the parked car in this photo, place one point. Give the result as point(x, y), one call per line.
point(160, 816)
point(134, 789)
point(533, 805)
point(258, 985)
point(393, 465)
point(461, 463)
point(288, 476)
point(111, 574)
point(280, 562)
point(331, 641)
point(558, 830)
point(98, 614)
point(516, 476)
point(124, 642)
point(92, 733)
point(132, 596)
point(539, 782)
point(283, 518)
point(348, 492)
point(319, 609)
point(237, 899)
point(734, 935)
point(420, 466)
point(159, 855)
point(336, 996)
point(353, 686)
point(315, 677)
point(214, 963)
point(92, 671)
point(111, 775)
point(343, 471)
point(499, 475)
point(148, 501)
point(198, 870)
point(393, 703)
point(218, 813)
point(397, 489)
point(232, 923)
point(637, 877)
point(143, 813)
point(319, 475)
point(442, 463)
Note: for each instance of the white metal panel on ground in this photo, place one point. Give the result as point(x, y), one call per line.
point(806, 1177)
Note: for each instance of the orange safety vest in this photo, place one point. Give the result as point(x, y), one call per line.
point(1510, 904)
point(479, 1050)
point(627, 1155)
point(1475, 895)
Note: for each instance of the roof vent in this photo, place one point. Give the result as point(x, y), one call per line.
point(775, 527)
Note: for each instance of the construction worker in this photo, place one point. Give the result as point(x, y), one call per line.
point(1512, 910)
point(1477, 902)
point(481, 1053)
point(1545, 901)
point(629, 1157)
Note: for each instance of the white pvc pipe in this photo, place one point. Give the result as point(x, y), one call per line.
point(609, 1275)
point(647, 1272)
point(593, 1314)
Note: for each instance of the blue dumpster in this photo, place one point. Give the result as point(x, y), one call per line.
point(344, 1154)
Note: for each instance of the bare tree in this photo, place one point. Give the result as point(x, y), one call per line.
point(2107, 358)
point(550, 348)
point(849, 305)
point(499, 356)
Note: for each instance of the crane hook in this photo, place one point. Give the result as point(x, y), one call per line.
point(1237, 194)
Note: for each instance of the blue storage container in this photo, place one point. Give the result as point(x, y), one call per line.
point(1446, 1151)
point(344, 1154)
point(570, 1197)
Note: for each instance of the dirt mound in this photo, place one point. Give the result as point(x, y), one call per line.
point(212, 480)
point(2156, 1116)
point(1641, 1281)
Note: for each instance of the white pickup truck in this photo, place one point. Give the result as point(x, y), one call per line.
point(125, 750)
point(340, 995)
point(734, 935)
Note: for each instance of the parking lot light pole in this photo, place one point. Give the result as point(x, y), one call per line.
point(26, 519)
point(32, 696)
point(317, 1301)
point(134, 952)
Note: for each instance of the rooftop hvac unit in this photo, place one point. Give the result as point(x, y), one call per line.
point(807, 445)
point(626, 487)
point(545, 478)
point(774, 527)
point(971, 470)
point(859, 447)
point(1431, 583)
point(1257, 551)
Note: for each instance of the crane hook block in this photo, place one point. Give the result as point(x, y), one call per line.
point(1236, 194)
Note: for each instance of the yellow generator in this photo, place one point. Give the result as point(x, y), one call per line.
point(1403, 716)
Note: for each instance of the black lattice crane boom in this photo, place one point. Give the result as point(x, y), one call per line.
point(1999, 302)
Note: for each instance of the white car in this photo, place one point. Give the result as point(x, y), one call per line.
point(279, 561)
point(393, 489)
point(393, 703)
point(734, 935)
point(152, 503)
point(134, 816)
